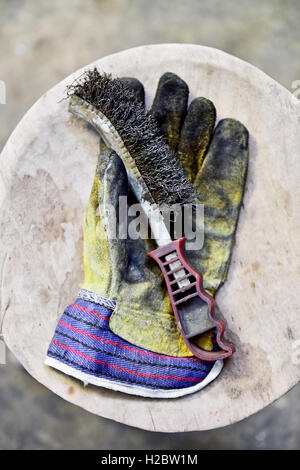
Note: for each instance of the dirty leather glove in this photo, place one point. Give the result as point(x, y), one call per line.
point(215, 160)
point(83, 345)
point(120, 270)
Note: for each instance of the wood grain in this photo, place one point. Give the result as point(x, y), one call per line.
point(47, 168)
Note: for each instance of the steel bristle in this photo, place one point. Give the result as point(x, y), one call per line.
point(158, 166)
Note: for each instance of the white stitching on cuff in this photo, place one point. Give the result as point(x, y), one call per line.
point(96, 298)
point(134, 389)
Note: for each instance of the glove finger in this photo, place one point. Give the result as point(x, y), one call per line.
point(136, 249)
point(95, 249)
point(195, 135)
point(136, 86)
point(113, 212)
point(169, 107)
point(91, 218)
point(220, 183)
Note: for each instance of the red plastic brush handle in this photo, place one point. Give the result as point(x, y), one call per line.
point(181, 296)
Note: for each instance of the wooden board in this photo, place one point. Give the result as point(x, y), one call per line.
point(46, 174)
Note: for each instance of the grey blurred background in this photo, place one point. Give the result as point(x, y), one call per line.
point(41, 43)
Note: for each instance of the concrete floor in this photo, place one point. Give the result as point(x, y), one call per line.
point(41, 43)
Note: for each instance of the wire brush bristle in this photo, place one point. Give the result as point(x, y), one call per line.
point(140, 134)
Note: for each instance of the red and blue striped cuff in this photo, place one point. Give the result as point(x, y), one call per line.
point(84, 346)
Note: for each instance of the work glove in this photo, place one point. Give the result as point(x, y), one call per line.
point(119, 276)
point(215, 160)
point(121, 271)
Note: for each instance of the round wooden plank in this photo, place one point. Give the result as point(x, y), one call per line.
point(46, 174)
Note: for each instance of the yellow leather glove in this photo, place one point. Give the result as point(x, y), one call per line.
point(215, 161)
point(119, 270)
